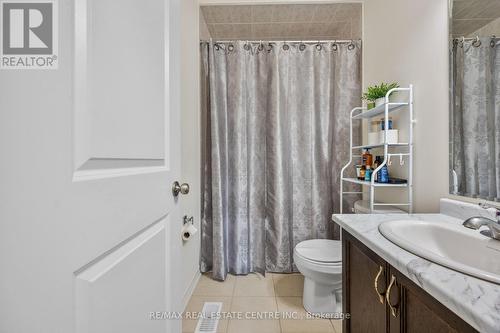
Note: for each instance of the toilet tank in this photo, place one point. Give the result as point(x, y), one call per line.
point(363, 207)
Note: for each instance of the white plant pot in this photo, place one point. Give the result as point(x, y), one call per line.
point(379, 101)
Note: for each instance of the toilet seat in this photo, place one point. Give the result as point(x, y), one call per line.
point(320, 251)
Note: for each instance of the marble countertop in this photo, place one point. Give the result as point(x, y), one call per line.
point(474, 300)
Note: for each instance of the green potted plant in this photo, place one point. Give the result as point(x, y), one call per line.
point(375, 95)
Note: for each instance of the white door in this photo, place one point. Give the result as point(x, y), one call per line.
point(88, 155)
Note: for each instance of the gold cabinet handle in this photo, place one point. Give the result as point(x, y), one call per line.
point(380, 294)
point(394, 308)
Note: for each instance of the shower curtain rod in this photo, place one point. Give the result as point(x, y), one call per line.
point(258, 41)
point(462, 38)
point(476, 42)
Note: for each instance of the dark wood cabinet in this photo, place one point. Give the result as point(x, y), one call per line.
point(378, 298)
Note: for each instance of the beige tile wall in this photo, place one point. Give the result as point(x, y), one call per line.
point(294, 21)
point(470, 15)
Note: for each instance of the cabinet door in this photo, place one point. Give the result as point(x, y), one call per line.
point(412, 310)
point(364, 285)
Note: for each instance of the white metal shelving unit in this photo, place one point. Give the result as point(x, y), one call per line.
point(384, 110)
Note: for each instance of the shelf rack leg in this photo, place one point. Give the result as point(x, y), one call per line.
point(410, 169)
point(350, 159)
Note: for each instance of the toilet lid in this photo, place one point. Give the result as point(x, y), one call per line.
point(322, 250)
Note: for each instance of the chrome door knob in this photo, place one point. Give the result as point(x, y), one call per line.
point(178, 188)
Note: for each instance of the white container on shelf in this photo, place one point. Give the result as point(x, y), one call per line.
point(377, 138)
point(392, 136)
point(374, 138)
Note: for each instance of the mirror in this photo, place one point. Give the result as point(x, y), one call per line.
point(475, 98)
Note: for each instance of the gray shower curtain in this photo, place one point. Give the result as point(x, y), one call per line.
point(276, 121)
point(476, 119)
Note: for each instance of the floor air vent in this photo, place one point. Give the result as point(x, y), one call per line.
point(210, 318)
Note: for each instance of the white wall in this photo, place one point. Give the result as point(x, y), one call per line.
point(190, 140)
point(407, 41)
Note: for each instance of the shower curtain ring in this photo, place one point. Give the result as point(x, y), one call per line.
point(261, 46)
point(476, 42)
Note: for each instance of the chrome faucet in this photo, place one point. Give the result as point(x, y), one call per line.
point(477, 222)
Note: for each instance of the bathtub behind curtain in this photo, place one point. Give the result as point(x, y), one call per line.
point(276, 136)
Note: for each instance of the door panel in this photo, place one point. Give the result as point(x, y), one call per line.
point(361, 267)
point(127, 78)
point(120, 83)
point(103, 294)
point(419, 318)
point(420, 312)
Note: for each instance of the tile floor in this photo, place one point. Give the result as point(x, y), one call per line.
point(273, 293)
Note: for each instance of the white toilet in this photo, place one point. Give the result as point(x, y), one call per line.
point(320, 261)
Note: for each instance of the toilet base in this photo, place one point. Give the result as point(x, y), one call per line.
point(322, 300)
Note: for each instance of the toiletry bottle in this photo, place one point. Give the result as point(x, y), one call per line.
point(368, 174)
point(362, 173)
point(382, 126)
point(358, 171)
point(367, 158)
point(376, 164)
point(384, 175)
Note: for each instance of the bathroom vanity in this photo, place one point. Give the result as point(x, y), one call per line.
point(388, 289)
point(380, 298)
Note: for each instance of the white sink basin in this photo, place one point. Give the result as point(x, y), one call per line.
point(447, 244)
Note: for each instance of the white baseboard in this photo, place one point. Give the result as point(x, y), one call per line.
point(189, 291)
